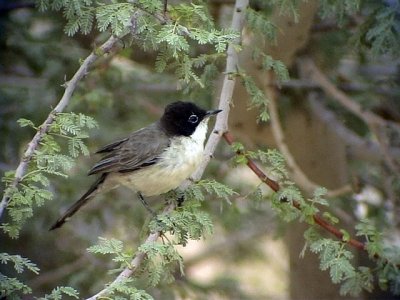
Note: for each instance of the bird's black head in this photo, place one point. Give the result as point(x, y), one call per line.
point(182, 118)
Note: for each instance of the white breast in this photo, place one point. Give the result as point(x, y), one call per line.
point(176, 164)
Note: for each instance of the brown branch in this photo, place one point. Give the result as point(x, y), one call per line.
point(70, 87)
point(275, 187)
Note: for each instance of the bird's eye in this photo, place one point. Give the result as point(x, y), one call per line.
point(193, 119)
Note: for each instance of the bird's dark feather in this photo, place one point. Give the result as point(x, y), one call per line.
point(78, 204)
point(112, 146)
point(141, 148)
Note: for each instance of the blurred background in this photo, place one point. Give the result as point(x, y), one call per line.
point(334, 63)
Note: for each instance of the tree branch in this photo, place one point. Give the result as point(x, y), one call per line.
point(359, 148)
point(323, 82)
point(275, 187)
point(221, 126)
point(376, 123)
point(70, 87)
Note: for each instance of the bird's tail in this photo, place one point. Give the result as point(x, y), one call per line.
point(78, 204)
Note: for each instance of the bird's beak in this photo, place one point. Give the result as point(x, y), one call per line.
point(213, 112)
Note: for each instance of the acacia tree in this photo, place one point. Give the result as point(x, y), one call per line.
point(184, 41)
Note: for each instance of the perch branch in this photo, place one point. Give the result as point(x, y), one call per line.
point(221, 126)
point(70, 87)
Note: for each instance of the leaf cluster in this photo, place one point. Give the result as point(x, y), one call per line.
point(381, 31)
point(125, 289)
point(161, 261)
point(112, 247)
point(58, 292)
point(47, 160)
point(126, 286)
point(258, 22)
point(337, 259)
point(11, 286)
point(188, 24)
point(338, 10)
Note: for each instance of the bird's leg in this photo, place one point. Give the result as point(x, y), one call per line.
point(146, 205)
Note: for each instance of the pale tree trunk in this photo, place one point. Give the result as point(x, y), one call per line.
point(315, 147)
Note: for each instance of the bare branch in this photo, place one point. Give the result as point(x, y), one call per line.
point(70, 87)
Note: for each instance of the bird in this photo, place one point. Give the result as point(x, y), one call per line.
point(152, 160)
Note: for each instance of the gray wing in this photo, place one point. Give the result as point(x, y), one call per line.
point(142, 148)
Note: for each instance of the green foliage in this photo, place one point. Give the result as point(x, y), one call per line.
point(174, 41)
point(268, 63)
point(125, 289)
point(113, 247)
point(125, 286)
point(177, 36)
point(335, 258)
point(275, 161)
point(20, 263)
point(47, 160)
point(191, 14)
point(11, 287)
point(382, 35)
point(188, 223)
point(184, 224)
point(380, 32)
point(195, 191)
point(188, 24)
point(374, 244)
point(116, 16)
point(260, 24)
point(161, 260)
point(258, 99)
point(58, 292)
point(361, 280)
point(79, 14)
point(332, 254)
point(288, 7)
point(338, 10)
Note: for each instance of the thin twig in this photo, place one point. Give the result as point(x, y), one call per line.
point(70, 87)
point(221, 126)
